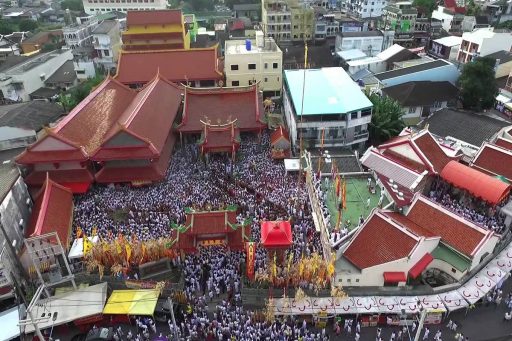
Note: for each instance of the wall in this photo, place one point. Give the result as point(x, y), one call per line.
point(503, 69)
point(487, 248)
point(289, 114)
point(369, 45)
point(446, 267)
point(13, 209)
point(417, 112)
point(84, 70)
point(499, 42)
point(62, 166)
point(92, 7)
point(444, 17)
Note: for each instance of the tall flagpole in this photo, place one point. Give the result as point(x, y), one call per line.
point(302, 109)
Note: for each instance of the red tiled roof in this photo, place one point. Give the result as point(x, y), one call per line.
point(149, 118)
point(222, 105)
point(452, 5)
point(53, 212)
point(477, 183)
point(88, 123)
point(37, 178)
point(494, 160)
point(237, 25)
point(174, 65)
point(504, 143)
point(379, 241)
point(224, 139)
point(431, 149)
point(33, 155)
point(279, 134)
point(460, 234)
point(410, 225)
point(276, 234)
point(210, 222)
point(158, 17)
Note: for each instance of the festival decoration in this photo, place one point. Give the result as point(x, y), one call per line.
point(251, 257)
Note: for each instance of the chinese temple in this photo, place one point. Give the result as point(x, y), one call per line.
point(280, 141)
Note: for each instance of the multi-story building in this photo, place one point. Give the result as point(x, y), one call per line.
point(155, 30)
point(370, 42)
point(368, 8)
point(451, 20)
point(106, 41)
point(483, 42)
point(445, 48)
point(401, 18)
point(276, 18)
point(80, 33)
point(254, 61)
point(303, 22)
point(326, 27)
point(102, 6)
point(326, 107)
point(29, 74)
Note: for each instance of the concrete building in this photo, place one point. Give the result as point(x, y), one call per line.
point(333, 106)
point(30, 73)
point(107, 41)
point(483, 42)
point(155, 30)
point(326, 27)
point(445, 48)
point(451, 21)
point(38, 40)
point(80, 33)
point(370, 42)
point(303, 22)
point(276, 20)
point(250, 61)
point(437, 71)
point(368, 8)
point(92, 7)
point(251, 11)
point(400, 17)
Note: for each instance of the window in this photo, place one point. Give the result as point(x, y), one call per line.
point(251, 66)
point(454, 271)
point(235, 83)
point(353, 116)
point(234, 67)
point(265, 65)
point(275, 65)
point(366, 112)
point(341, 280)
point(250, 82)
point(349, 280)
point(412, 110)
point(106, 53)
point(357, 280)
point(265, 79)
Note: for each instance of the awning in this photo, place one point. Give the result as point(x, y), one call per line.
point(503, 99)
point(77, 187)
point(77, 249)
point(394, 277)
point(475, 182)
point(9, 320)
point(132, 302)
point(418, 268)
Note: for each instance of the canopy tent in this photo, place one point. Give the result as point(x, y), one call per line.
point(453, 300)
point(366, 305)
point(276, 234)
point(409, 304)
point(132, 302)
point(388, 305)
point(475, 182)
point(421, 265)
point(9, 321)
point(77, 249)
point(431, 302)
point(394, 277)
point(291, 165)
point(502, 263)
point(470, 292)
point(70, 306)
point(502, 99)
point(496, 274)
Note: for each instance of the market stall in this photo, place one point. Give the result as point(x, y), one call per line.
point(409, 304)
point(470, 292)
point(132, 302)
point(77, 248)
point(502, 263)
point(482, 282)
point(495, 273)
point(388, 305)
point(453, 300)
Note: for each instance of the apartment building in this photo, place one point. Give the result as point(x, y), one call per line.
point(80, 33)
point(401, 18)
point(254, 61)
point(368, 8)
point(92, 7)
point(483, 42)
point(107, 41)
point(288, 20)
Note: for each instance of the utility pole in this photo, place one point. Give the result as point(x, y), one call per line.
point(29, 309)
point(420, 325)
point(174, 326)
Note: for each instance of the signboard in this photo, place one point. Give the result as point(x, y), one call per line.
point(251, 256)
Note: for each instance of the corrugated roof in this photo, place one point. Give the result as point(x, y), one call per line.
point(421, 93)
point(411, 69)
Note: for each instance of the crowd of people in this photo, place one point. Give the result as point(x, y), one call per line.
point(475, 211)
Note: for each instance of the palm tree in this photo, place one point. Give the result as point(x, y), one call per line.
point(386, 119)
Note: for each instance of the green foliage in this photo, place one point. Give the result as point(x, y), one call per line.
point(473, 9)
point(7, 27)
point(477, 84)
point(72, 5)
point(427, 6)
point(506, 24)
point(27, 25)
point(201, 5)
point(70, 99)
point(386, 119)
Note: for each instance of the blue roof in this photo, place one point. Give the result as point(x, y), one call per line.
point(328, 90)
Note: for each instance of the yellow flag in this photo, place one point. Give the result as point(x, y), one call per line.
point(87, 244)
point(306, 56)
point(128, 252)
point(274, 267)
point(118, 247)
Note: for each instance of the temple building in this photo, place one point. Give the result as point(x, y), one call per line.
point(155, 30)
point(195, 67)
point(116, 134)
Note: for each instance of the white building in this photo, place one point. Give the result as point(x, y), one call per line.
point(92, 7)
point(445, 48)
point(80, 33)
point(107, 41)
point(276, 19)
point(450, 21)
point(259, 60)
point(391, 247)
point(483, 42)
point(22, 79)
point(334, 106)
point(368, 8)
point(370, 42)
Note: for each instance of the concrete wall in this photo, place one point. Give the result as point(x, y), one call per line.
point(14, 210)
point(499, 42)
point(369, 45)
point(92, 7)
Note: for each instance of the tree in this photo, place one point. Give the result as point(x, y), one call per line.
point(473, 9)
point(72, 5)
point(27, 25)
point(427, 6)
point(386, 119)
point(6, 27)
point(70, 99)
point(506, 24)
point(477, 84)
